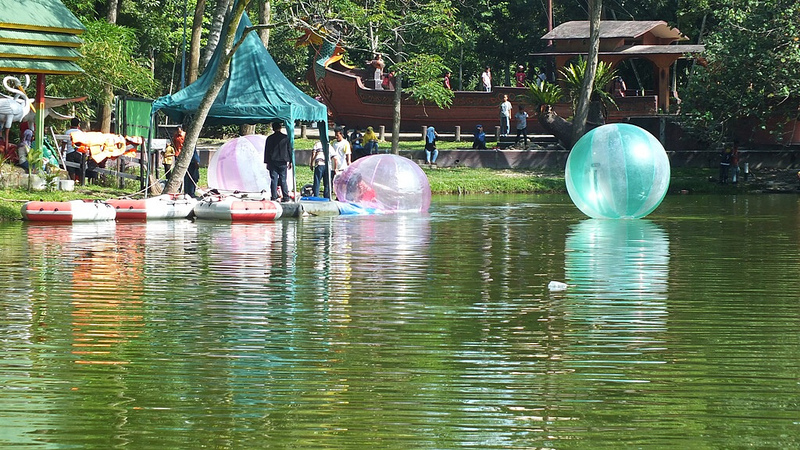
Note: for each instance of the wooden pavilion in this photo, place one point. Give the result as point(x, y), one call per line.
point(39, 37)
point(654, 41)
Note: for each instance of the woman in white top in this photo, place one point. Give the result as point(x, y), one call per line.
point(505, 116)
point(318, 167)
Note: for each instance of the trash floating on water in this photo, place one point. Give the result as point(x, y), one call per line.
point(557, 286)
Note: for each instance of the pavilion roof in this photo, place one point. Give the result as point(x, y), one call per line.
point(630, 50)
point(39, 36)
point(614, 29)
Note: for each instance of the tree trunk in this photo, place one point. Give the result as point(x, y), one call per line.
point(213, 35)
point(582, 110)
point(108, 92)
point(556, 125)
point(152, 58)
point(194, 43)
point(597, 115)
point(398, 97)
point(105, 108)
point(113, 7)
point(246, 129)
point(264, 18)
point(222, 73)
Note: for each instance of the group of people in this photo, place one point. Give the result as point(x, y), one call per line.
point(729, 163)
point(385, 81)
point(382, 80)
point(520, 78)
point(520, 118)
point(277, 156)
point(172, 150)
point(341, 153)
point(362, 144)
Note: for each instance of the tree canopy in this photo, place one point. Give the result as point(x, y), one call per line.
point(752, 69)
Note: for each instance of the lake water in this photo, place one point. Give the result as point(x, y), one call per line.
point(432, 331)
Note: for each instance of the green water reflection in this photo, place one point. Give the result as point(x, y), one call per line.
point(424, 331)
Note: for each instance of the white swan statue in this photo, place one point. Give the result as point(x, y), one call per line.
point(13, 109)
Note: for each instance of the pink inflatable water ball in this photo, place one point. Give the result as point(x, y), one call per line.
point(617, 171)
point(388, 183)
point(239, 165)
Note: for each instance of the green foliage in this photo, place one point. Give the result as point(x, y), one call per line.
point(752, 47)
point(108, 58)
point(85, 9)
point(753, 68)
point(464, 180)
point(573, 75)
point(424, 75)
point(539, 94)
point(501, 35)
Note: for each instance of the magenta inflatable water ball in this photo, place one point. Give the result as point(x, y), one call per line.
point(387, 183)
point(239, 165)
point(617, 171)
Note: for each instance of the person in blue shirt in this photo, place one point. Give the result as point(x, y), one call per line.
point(479, 141)
point(431, 152)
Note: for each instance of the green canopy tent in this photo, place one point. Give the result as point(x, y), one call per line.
point(255, 92)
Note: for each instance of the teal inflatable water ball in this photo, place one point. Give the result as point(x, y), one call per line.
point(617, 171)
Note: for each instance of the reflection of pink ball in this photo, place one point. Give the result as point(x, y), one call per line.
point(386, 182)
point(239, 165)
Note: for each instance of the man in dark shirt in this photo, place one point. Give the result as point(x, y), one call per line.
point(278, 157)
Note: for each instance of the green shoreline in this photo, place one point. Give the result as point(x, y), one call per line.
point(458, 181)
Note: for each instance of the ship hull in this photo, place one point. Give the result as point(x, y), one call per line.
point(353, 103)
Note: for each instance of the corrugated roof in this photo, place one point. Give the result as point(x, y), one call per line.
point(33, 66)
point(611, 29)
point(638, 50)
point(38, 52)
point(39, 15)
point(39, 36)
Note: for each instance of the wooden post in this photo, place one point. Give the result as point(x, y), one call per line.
point(120, 167)
point(303, 132)
point(82, 176)
point(424, 132)
point(497, 134)
point(382, 133)
point(39, 129)
point(458, 133)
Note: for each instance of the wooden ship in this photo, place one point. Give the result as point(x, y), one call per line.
point(353, 99)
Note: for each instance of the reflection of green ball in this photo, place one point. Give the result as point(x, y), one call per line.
point(617, 171)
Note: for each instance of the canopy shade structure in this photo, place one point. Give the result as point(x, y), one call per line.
point(39, 36)
point(256, 91)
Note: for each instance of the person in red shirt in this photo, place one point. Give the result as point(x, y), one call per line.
point(520, 76)
point(177, 140)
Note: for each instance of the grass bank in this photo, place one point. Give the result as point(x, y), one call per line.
point(458, 180)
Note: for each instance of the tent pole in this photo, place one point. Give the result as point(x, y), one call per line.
point(149, 146)
point(289, 126)
point(322, 127)
point(39, 120)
